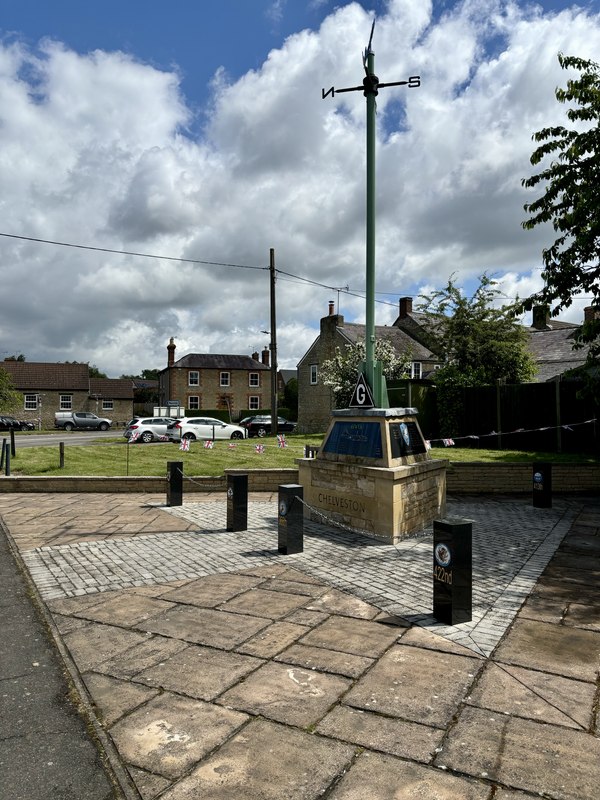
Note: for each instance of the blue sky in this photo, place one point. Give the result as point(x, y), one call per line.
point(196, 130)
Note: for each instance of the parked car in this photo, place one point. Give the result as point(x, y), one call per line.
point(148, 429)
point(204, 428)
point(11, 423)
point(81, 421)
point(260, 425)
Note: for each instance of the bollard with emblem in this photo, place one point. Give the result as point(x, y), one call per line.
point(542, 484)
point(237, 502)
point(452, 570)
point(290, 538)
point(174, 483)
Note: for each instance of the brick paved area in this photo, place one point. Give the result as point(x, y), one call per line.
point(512, 543)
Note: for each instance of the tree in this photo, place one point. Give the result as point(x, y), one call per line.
point(20, 357)
point(9, 397)
point(341, 371)
point(571, 198)
point(480, 345)
point(290, 396)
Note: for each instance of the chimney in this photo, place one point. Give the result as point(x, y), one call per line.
point(331, 308)
point(405, 307)
point(255, 355)
point(265, 357)
point(171, 352)
point(541, 318)
point(590, 313)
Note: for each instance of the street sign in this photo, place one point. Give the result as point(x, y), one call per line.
point(362, 397)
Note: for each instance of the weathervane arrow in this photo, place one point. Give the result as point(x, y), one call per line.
point(370, 87)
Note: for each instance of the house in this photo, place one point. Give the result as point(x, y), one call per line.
point(49, 387)
point(211, 381)
point(550, 342)
point(315, 400)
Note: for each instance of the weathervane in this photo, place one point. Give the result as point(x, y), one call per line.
point(371, 86)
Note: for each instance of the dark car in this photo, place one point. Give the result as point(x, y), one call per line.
point(260, 425)
point(11, 423)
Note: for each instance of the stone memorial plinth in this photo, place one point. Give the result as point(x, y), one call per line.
point(373, 473)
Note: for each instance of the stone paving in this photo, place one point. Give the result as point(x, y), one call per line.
point(512, 543)
point(270, 677)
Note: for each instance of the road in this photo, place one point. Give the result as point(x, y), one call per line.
point(50, 439)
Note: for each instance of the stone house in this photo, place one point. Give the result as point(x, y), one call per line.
point(49, 387)
point(550, 342)
point(315, 400)
point(200, 381)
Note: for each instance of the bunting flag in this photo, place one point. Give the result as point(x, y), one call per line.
point(567, 427)
point(427, 444)
point(231, 446)
point(448, 442)
point(209, 444)
point(260, 448)
point(185, 445)
point(134, 437)
point(281, 442)
point(163, 438)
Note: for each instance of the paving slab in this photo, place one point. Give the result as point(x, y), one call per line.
point(200, 672)
point(559, 762)
point(535, 695)
point(170, 734)
point(563, 650)
point(419, 685)
point(336, 602)
point(287, 694)
point(148, 653)
point(351, 635)
point(324, 660)
point(113, 697)
point(272, 639)
point(377, 732)
point(381, 777)
point(125, 610)
point(265, 603)
point(96, 642)
point(206, 626)
point(266, 761)
point(212, 590)
point(584, 616)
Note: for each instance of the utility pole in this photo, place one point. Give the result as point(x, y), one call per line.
point(273, 345)
point(370, 87)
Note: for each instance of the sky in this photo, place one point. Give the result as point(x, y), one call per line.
point(171, 146)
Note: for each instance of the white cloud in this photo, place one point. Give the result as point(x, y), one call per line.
point(96, 149)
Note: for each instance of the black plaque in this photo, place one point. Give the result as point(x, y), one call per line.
point(405, 439)
point(355, 438)
point(542, 485)
point(290, 528)
point(237, 502)
point(452, 570)
point(174, 483)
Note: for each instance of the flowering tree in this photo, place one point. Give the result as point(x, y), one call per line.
point(341, 371)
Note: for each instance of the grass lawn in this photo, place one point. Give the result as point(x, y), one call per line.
point(114, 458)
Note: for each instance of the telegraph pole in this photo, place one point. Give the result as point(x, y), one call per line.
point(273, 345)
point(370, 87)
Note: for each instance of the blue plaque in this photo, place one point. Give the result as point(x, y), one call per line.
point(355, 438)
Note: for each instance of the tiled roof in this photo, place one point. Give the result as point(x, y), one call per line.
point(216, 361)
point(552, 350)
point(29, 375)
point(402, 341)
point(112, 388)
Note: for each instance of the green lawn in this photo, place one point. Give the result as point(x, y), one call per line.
point(114, 458)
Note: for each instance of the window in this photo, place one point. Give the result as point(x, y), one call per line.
point(193, 378)
point(224, 379)
point(107, 405)
point(314, 373)
point(194, 402)
point(254, 379)
point(31, 402)
point(66, 402)
point(253, 403)
point(415, 370)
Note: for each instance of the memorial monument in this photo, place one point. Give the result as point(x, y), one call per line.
point(373, 472)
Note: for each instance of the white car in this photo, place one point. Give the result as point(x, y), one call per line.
point(148, 429)
point(204, 428)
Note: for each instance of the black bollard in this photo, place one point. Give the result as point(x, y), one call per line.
point(237, 502)
point(2, 449)
point(13, 449)
point(542, 484)
point(61, 455)
point(452, 570)
point(7, 460)
point(290, 530)
point(174, 483)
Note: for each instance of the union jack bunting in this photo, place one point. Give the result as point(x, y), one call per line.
point(185, 444)
point(260, 448)
point(448, 442)
point(134, 437)
point(231, 446)
point(281, 442)
point(209, 444)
